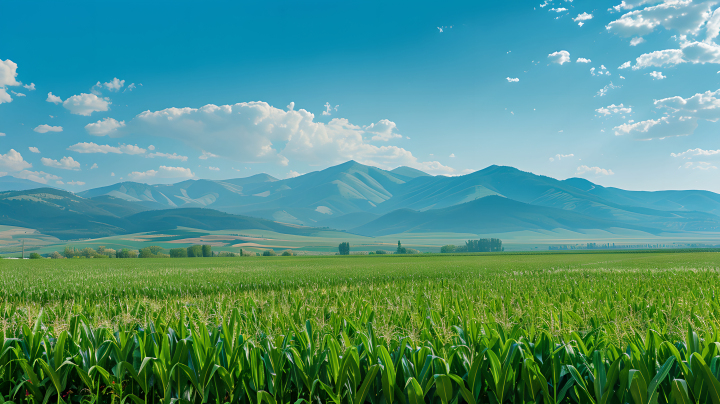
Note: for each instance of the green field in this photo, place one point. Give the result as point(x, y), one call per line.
point(522, 307)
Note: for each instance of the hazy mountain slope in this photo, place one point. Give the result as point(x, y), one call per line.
point(495, 214)
point(10, 183)
point(409, 172)
point(703, 201)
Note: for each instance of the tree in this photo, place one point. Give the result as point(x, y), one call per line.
point(380, 252)
point(446, 249)
point(56, 255)
point(146, 253)
point(194, 251)
point(178, 253)
point(69, 252)
point(344, 248)
point(269, 253)
point(35, 256)
point(287, 253)
point(125, 253)
point(207, 250)
point(400, 249)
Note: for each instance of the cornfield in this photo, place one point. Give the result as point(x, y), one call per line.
point(598, 328)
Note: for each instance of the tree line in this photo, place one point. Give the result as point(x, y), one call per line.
point(481, 245)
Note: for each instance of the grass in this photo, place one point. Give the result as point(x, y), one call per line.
point(630, 327)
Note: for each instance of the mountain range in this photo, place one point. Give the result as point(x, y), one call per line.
point(360, 199)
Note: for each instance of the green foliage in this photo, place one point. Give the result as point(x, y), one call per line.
point(380, 252)
point(344, 248)
point(178, 253)
point(35, 256)
point(207, 250)
point(195, 251)
point(269, 253)
point(125, 253)
point(287, 253)
point(446, 249)
point(400, 249)
point(484, 245)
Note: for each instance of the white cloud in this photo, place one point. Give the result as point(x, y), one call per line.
point(593, 170)
point(658, 128)
point(85, 104)
point(214, 168)
point(452, 155)
point(561, 156)
point(130, 87)
point(173, 156)
point(78, 183)
point(292, 174)
point(602, 72)
point(329, 108)
point(559, 57)
point(637, 41)
point(383, 130)
point(34, 149)
point(657, 75)
point(65, 163)
point(696, 152)
point(512, 80)
point(582, 17)
point(114, 85)
point(104, 127)
point(4, 96)
point(624, 65)
point(54, 99)
point(698, 165)
point(258, 132)
point(559, 10)
point(712, 28)
point(47, 128)
point(583, 60)
point(86, 148)
point(206, 155)
point(94, 166)
point(2, 134)
point(689, 52)
point(8, 72)
point(685, 16)
point(162, 172)
point(30, 87)
point(614, 109)
point(37, 176)
point(701, 105)
point(13, 161)
point(291, 106)
point(603, 91)
point(18, 94)
point(151, 147)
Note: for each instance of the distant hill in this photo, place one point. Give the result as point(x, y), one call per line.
point(352, 195)
point(68, 216)
point(10, 183)
point(496, 214)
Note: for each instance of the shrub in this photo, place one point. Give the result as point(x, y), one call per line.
point(287, 253)
point(269, 253)
point(178, 253)
point(56, 255)
point(125, 253)
point(35, 256)
point(411, 251)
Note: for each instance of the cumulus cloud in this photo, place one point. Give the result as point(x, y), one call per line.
point(559, 57)
point(74, 183)
point(89, 147)
point(292, 174)
point(54, 99)
point(258, 132)
point(685, 16)
point(47, 128)
point(657, 75)
point(637, 41)
point(583, 60)
point(582, 17)
point(13, 161)
point(614, 109)
point(593, 170)
point(8, 72)
point(173, 156)
point(603, 91)
point(658, 128)
point(206, 155)
point(559, 157)
point(34, 149)
point(30, 87)
point(625, 65)
point(383, 130)
point(85, 104)
point(2, 134)
point(559, 9)
point(104, 127)
point(214, 168)
point(65, 163)
point(37, 176)
point(162, 172)
point(94, 166)
point(114, 84)
point(512, 80)
point(329, 108)
point(698, 165)
point(690, 153)
point(603, 71)
point(701, 105)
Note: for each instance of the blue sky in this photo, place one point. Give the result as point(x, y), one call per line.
point(159, 92)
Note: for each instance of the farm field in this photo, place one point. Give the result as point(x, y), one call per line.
point(481, 328)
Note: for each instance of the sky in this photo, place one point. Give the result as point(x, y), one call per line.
point(624, 94)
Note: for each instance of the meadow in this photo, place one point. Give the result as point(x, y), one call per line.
point(482, 328)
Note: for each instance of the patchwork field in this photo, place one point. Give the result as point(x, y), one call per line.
point(552, 327)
